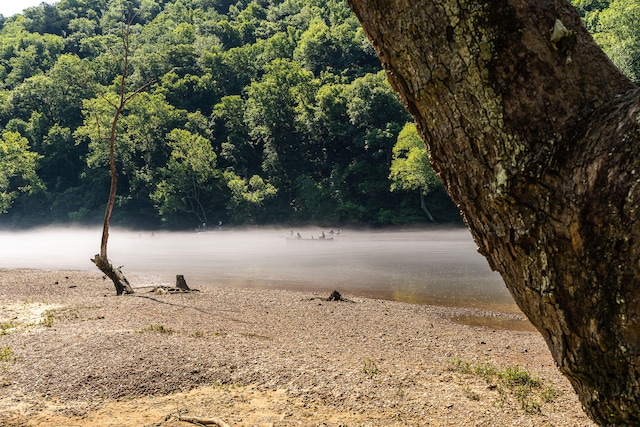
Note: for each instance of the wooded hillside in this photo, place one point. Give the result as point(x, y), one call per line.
point(258, 112)
point(263, 111)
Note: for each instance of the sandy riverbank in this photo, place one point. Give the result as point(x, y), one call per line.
point(74, 354)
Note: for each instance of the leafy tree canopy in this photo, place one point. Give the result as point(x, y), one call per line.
point(615, 26)
point(17, 169)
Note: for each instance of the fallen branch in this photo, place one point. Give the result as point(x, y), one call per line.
point(213, 421)
point(163, 290)
point(180, 287)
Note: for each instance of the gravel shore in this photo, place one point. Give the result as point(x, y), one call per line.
point(74, 354)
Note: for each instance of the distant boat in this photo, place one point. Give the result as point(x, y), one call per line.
point(311, 239)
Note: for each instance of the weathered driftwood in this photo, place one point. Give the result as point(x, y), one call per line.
point(180, 287)
point(170, 290)
point(213, 421)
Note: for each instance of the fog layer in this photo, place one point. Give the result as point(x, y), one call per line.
point(426, 266)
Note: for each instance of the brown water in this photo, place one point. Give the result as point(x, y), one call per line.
point(439, 267)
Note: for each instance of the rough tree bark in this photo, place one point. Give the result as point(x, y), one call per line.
point(538, 143)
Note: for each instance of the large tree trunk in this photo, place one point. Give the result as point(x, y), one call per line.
point(538, 143)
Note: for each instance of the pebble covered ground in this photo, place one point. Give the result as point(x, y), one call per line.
point(72, 353)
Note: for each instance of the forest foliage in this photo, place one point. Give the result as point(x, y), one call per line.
point(257, 112)
point(615, 26)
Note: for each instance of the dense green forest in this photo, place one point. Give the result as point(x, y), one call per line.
point(249, 112)
point(615, 26)
point(253, 112)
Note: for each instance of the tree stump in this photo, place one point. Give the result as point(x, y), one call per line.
point(181, 283)
point(335, 296)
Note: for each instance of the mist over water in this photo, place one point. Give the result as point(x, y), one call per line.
point(423, 266)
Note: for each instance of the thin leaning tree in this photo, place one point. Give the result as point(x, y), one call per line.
point(101, 260)
point(536, 136)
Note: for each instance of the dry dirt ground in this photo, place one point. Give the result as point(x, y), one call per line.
point(74, 354)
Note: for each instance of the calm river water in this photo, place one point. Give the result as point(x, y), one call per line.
point(424, 266)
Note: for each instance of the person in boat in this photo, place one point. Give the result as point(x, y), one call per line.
point(298, 236)
point(322, 236)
